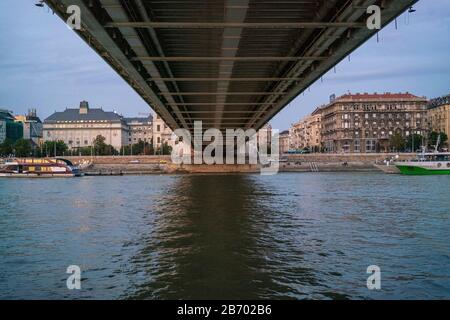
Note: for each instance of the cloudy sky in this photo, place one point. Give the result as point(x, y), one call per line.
point(45, 65)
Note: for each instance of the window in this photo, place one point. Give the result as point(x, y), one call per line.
point(346, 147)
point(370, 146)
point(357, 146)
point(158, 128)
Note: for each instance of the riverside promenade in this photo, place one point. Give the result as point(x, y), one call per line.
point(124, 165)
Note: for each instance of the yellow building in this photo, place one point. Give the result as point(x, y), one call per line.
point(307, 132)
point(439, 115)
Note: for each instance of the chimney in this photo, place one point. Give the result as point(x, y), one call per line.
point(84, 107)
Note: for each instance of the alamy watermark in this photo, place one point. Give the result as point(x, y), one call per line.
point(74, 20)
point(238, 146)
point(374, 20)
point(374, 280)
point(73, 282)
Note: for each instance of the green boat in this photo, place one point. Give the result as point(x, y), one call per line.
point(426, 164)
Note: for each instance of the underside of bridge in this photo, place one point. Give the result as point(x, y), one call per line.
point(229, 63)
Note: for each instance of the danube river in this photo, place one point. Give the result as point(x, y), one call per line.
point(298, 235)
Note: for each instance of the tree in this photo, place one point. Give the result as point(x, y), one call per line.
point(22, 148)
point(6, 148)
point(397, 142)
point(414, 142)
point(434, 138)
point(103, 149)
point(165, 149)
point(49, 148)
point(140, 148)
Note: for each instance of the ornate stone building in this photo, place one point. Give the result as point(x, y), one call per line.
point(307, 132)
point(284, 142)
point(161, 133)
point(139, 129)
point(439, 114)
point(366, 122)
point(79, 127)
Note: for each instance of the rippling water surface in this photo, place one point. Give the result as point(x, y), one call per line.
point(229, 236)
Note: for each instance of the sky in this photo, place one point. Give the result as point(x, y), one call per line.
point(45, 65)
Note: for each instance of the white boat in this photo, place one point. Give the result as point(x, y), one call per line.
point(437, 163)
point(39, 168)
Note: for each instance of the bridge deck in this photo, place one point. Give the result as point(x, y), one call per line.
point(230, 63)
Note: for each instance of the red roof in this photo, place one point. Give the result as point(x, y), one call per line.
point(379, 96)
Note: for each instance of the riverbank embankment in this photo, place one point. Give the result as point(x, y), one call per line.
point(124, 165)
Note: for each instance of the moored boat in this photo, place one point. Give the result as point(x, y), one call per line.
point(39, 168)
point(437, 163)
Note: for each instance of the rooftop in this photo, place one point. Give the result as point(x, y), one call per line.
point(90, 115)
point(379, 97)
point(441, 101)
point(6, 115)
point(138, 119)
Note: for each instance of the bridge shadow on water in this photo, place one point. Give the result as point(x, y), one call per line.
point(212, 239)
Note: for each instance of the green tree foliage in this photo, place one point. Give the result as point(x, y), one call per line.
point(414, 142)
point(397, 142)
point(103, 149)
point(165, 149)
point(50, 147)
point(434, 138)
point(6, 148)
point(140, 148)
point(22, 148)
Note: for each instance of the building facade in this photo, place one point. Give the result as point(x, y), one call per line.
point(139, 129)
point(366, 122)
point(79, 127)
point(161, 133)
point(439, 115)
point(264, 135)
point(284, 142)
point(32, 127)
point(307, 132)
point(9, 128)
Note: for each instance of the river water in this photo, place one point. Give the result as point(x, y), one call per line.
point(289, 236)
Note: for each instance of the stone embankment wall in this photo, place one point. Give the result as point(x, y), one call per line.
point(290, 163)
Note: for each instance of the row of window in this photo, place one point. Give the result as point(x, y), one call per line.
point(346, 125)
point(382, 115)
point(375, 107)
